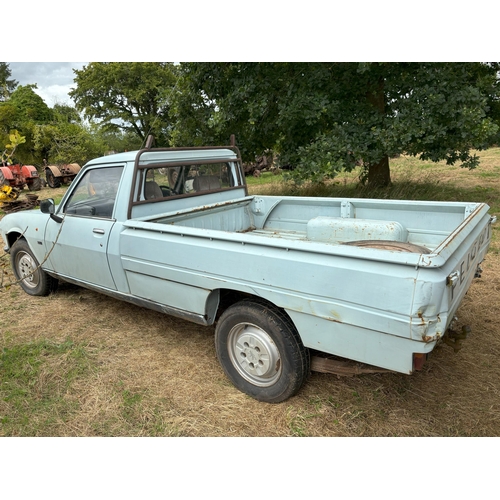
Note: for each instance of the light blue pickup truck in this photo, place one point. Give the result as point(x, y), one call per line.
point(174, 230)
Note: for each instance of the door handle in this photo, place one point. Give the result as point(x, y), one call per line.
point(98, 231)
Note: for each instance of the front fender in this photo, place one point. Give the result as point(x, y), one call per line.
point(29, 171)
point(28, 224)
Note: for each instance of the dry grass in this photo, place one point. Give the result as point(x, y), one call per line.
point(124, 371)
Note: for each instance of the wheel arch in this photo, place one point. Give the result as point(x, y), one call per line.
point(222, 298)
point(74, 168)
point(7, 173)
point(29, 171)
point(54, 169)
point(13, 236)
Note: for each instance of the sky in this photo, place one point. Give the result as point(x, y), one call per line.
point(54, 79)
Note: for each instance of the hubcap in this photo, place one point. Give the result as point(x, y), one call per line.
point(254, 354)
point(26, 269)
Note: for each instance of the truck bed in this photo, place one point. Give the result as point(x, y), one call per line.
point(423, 226)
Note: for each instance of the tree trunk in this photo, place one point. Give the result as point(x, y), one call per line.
point(379, 174)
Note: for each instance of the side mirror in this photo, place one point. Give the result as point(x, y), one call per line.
point(47, 206)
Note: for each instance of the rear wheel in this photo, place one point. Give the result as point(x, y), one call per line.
point(35, 184)
point(33, 280)
point(261, 351)
point(52, 180)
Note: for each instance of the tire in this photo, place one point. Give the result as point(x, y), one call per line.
point(35, 184)
point(52, 181)
point(34, 281)
point(261, 351)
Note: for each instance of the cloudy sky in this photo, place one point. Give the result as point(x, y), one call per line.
point(54, 79)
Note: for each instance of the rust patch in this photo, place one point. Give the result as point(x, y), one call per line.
point(421, 316)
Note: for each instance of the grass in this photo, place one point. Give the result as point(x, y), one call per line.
point(36, 390)
point(80, 364)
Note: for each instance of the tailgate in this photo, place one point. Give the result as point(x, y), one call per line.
point(460, 256)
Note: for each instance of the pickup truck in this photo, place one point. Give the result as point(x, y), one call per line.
point(175, 230)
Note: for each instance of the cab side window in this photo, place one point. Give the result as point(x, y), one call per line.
point(95, 194)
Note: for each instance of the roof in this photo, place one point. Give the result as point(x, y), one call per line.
point(164, 155)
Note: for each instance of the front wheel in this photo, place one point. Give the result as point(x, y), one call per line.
point(33, 280)
point(261, 351)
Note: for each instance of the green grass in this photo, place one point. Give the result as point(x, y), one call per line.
point(264, 178)
point(36, 381)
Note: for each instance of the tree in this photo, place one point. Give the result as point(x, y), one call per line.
point(61, 143)
point(325, 117)
point(25, 110)
point(117, 141)
point(66, 114)
point(54, 134)
point(133, 97)
point(7, 85)
point(8, 117)
point(65, 139)
point(31, 107)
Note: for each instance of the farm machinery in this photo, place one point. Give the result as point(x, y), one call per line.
point(11, 186)
point(18, 176)
point(60, 174)
point(14, 176)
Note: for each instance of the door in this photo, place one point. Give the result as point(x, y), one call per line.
point(78, 245)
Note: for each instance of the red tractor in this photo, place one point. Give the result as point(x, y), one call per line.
point(18, 176)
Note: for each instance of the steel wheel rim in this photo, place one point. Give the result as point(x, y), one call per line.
point(254, 354)
point(26, 268)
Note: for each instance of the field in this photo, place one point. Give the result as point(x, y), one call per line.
point(81, 364)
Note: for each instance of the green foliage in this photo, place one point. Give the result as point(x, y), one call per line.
point(132, 97)
point(327, 117)
point(58, 134)
point(8, 114)
point(24, 111)
point(66, 114)
point(15, 139)
point(31, 107)
point(116, 141)
point(7, 85)
point(321, 118)
point(66, 143)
